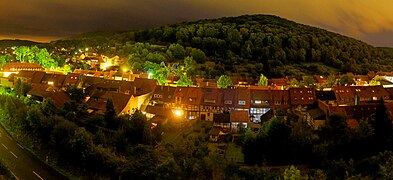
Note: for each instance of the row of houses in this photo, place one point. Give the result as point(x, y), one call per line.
point(200, 103)
point(238, 104)
point(204, 103)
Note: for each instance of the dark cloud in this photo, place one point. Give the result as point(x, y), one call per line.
point(48, 19)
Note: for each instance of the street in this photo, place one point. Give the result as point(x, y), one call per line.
point(22, 164)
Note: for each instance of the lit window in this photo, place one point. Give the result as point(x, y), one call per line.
point(257, 101)
point(242, 102)
point(228, 102)
point(210, 101)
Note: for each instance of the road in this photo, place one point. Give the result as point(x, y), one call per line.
point(22, 164)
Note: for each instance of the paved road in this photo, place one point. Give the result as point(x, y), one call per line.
point(22, 163)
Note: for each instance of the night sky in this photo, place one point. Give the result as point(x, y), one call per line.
point(45, 20)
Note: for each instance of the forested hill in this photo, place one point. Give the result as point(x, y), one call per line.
point(16, 42)
point(283, 47)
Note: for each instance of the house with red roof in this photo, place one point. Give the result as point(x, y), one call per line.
point(260, 102)
point(211, 103)
point(123, 103)
point(189, 100)
point(279, 99)
point(239, 118)
point(40, 92)
point(302, 96)
point(16, 67)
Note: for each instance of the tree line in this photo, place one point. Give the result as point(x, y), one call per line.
point(337, 149)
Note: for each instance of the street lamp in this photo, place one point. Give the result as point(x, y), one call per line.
point(178, 112)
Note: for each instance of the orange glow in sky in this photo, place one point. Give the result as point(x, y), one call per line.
point(43, 20)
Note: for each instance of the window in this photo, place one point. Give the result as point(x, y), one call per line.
point(157, 95)
point(192, 99)
point(228, 102)
point(242, 102)
point(257, 102)
point(210, 101)
point(309, 92)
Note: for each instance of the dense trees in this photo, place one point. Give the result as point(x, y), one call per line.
point(35, 55)
point(272, 41)
point(340, 150)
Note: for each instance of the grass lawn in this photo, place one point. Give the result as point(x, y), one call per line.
point(234, 153)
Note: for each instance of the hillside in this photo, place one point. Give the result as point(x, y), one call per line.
point(273, 42)
point(249, 45)
point(10, 43)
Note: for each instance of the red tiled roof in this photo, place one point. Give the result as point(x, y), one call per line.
point(17, 66)
point(99, 99)
point(164, 94)
point(239, 116)
point(211, 96)
point(144, 86)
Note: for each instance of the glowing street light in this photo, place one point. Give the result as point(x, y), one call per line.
point(178, 112)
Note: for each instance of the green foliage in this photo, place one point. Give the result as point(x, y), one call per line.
point(331, 80)
point(274, 42)
point(308, 81)
point(346, 81)
point(198, 55)
point(184, 81)
point(294, 83)
point(263, 81)
point(176, 51)
point(22, 53)
point(5, 172)
point(224, 81)
point(189, 66)
point(35, 55)
point(292, 173)
point(374, 83)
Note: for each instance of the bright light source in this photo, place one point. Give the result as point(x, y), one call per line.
point(149, 76)
point(50, 82)
point(178, 112)
point(87, 49)
point(125, 70)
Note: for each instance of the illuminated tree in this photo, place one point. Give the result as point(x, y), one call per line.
point(294, 83)
point(22, 52)
point(292, 173)
point(308, 81)
point(346, 80)
point(263, 81)
point(331, 80)
point(189, 65)
point(374, 83)
point(224, 81)
point(184, 81)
